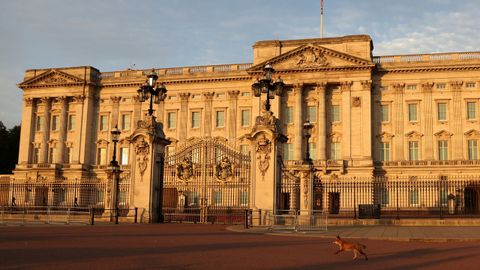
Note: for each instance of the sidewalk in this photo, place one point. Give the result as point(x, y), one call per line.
point(380, 232)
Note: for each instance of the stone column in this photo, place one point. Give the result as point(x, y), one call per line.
point(457, 119)
point(78, 101)
point(62, 129)
point(232, 115)
point(160, 111)
point(399, 122)
point(208, 98)
point(89, 120)
point(346, 90)
point(46, 105)
point(26, 131)
point(366, 124)
point(428, 122)
point(137, 110)
point(306, 192)
point(321, 122)
point(183, 124)
point(298, 116)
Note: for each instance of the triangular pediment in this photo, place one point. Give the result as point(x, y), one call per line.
point(414, 135)
point(312, 56)
point(472, 134)
point(443, 134)
point(51, 78)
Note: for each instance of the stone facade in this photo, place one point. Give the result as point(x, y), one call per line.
point(372, 115)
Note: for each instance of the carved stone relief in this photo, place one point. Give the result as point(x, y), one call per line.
point(311, 58)
point(142, 149)
point(264, 147)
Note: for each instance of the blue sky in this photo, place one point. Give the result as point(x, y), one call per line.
point(116, 34)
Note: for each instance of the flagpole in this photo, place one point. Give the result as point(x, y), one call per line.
point(321, 18)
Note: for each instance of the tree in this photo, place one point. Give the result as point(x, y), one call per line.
point(9, 145)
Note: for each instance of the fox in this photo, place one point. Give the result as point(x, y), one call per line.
point(356, 248)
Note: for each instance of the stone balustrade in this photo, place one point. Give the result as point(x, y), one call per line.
point(425, 57)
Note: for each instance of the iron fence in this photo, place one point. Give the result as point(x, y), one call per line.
point(408, 197)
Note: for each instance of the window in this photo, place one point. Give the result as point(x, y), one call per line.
point(172, 120)
point(125, 121)
point(470, 85)
point(472, 149)
point(68, 155)
point(245, 94)
point(335, 113)
point(413, 150)
point(313, 150)
point(413, 196)
point(312, 114)
point(412, 87)
point(288, 151)
point(54, 122)
point(243, 197)
point(288, 115)
point(102, 156)
point(39, 123)
point(384, 151)
point(71, 122)
point(412, 113)
point(124, 156)
point(220, 119)
point(471, 110)
point(441, 86)
point(103, 125)
point(384, 113)
point(244, 149)
point(442, 150)
point(335, 151)
point(52, 155)
point(195, 119)
point(441, 111)
point(385, 198)
point(217, 197)
point(36, 155)
point(245, 118)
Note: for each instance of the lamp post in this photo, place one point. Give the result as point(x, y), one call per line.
point(115, 170)
point(150, 90)
point(307, 129)
point(267, 86)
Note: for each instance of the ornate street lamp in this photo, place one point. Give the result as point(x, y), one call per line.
point(115, 169)
point(115, 136)
point(156, 92)
point(307, 129)
point(267, 86)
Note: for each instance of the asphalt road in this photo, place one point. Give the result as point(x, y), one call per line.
point(188, 246)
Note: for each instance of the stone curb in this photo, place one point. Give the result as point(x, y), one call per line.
point(378, 238)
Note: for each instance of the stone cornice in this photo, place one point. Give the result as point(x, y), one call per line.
point(426, 69)
point(179, 81)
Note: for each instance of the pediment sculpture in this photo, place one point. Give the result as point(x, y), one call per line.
point(311, 58)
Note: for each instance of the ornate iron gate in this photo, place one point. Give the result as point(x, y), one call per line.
point(206, 180)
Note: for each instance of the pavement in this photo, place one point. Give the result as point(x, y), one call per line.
point(381, 232)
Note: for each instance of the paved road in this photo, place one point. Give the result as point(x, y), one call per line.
point(188, 246)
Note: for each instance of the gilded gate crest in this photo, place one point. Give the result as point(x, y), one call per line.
point(224, 170)
point(184, 170)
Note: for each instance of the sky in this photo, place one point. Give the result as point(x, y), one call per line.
point(119, 34)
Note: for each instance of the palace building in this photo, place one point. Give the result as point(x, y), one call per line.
point(397, 117)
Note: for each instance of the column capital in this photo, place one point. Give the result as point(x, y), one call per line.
point(346, 86)
point(28, 101)
point(44, 101)
point(184, 96)
point(366, 85)
point(208, 96)
point(398, 87)
point(456, 85)
point(115, 99)
point(136, 99)
point(321, 86)
point(60, 100)
point(297, 88)
point(78, 98)
point(233, 94)
point(427, 86)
